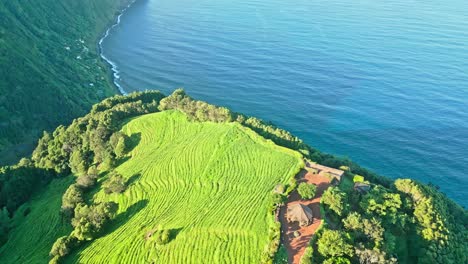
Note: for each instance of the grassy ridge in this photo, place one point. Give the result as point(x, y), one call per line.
point(50, 70)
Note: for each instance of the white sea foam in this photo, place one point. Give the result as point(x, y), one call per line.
point(114, 68)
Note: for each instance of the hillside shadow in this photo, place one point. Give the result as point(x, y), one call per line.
point(124, 217)
point(133, 179)
point(133, 141)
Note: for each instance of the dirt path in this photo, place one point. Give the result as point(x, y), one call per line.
point(295, 246)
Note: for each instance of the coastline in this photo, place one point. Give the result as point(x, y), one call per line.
point(115, 76)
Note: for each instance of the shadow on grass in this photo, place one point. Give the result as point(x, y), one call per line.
point(124, 217)
point(133, 141)
point(133, 179)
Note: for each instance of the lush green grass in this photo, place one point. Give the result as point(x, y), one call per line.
point(32, 236)
point(209, 182)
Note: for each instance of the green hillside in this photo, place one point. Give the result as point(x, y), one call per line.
point(50, 70)
point(209, 182)
point(146, 178)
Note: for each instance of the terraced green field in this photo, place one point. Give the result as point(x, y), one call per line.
point(209, 183)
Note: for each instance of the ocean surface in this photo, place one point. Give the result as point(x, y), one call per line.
point(384, 83)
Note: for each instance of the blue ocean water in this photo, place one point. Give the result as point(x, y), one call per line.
point(384, 83)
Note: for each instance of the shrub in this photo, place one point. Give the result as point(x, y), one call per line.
point(306, 191)
point(336, 200)
point(334, 243)
point(72, 197)
point(115, 184)
point(62, 246)
point(89, 220)
point(358, 178)
point(86, 181)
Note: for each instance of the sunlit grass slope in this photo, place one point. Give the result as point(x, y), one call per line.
point(32, 237)
point(210, 183)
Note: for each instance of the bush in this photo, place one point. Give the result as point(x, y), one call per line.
point(334, 243)
point(72, 197)
point(86, 181)
point(336, 200)
point(89, 220)
point(62, 246)
point(115, 184)
point(162, 237)
point(306, 191)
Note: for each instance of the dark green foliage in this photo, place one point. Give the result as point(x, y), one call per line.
point(440, 229)
point(196, 110)
point(89, 140)
point(4, 224)
point(50, 70)
point(334, 244)
point(19, 182)
point(89, 220)
point(281, 256)
point(86, 182)
point(72, 197)
point(306, 191)
point(336, 200)
point(62, 246)
point(115, 184)
point(338, 260)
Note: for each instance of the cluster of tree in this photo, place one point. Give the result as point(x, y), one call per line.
point(50, 71)
point(408, 223)
point(306, 191)
point(440, 224)
point(115, 184)
point(93, 139)
point(88, 222)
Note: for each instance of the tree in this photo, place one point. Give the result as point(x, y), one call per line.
point(4, 224)
point(337, 260)
point(115, 184)
point(86, 181)
point(336, 200)
point(72, 197)
point(353, 221)
point(62, 246)
point(306, 191)
point(334, 243)
point(121, 147)
point(78, 162)
point(89, 220)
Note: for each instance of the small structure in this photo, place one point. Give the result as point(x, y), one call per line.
point(362, 187)
point(299, 213)
point(333, 174)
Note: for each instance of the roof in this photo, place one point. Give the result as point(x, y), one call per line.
point(321, 168)
point(361, 186)
point(299, 213)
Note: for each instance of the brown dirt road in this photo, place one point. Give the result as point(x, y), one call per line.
point(295, 246)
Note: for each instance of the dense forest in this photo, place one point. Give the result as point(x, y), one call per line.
point(50, 69)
